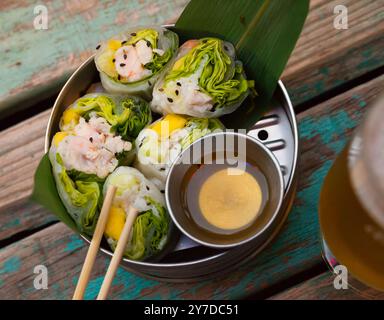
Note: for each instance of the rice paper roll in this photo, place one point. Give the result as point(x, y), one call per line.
point(131, 62)
point(150, 230)
point(204, 80)
point(97, 135)
point(81, 160)
point(127, 115)
point(158, 145)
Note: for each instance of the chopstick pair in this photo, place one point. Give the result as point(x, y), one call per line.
point(94, 248)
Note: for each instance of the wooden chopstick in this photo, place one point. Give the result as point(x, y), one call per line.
point(95, 244)
point(118, 254)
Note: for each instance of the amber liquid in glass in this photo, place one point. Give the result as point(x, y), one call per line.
point(354, 238)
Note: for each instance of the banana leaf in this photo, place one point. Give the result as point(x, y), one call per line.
point(45, 192)
point(264, 33)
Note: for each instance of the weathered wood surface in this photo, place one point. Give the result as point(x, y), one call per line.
point(322, 288)
point(323, 59)
point(35, 63)
point(326, 57)
point(21, 148)
point(324, 130)
point(304, 61)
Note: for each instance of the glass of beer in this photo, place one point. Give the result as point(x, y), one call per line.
point(351, 208)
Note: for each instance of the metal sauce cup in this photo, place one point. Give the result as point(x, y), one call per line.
point(256, 154)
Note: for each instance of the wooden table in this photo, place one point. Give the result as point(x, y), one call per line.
point(332, 77)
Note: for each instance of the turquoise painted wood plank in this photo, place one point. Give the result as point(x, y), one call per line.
point(35, 63)
point(324, 130)
point(326, 57)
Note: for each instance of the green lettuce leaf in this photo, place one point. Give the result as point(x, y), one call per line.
point(140, 116)
point(150, 231)
point(158, 61)
point(149, 35)
point(199, 127)
point(81, 195)
point(78, 175)
point(127, 115)
point(151, 227)
point(221, 78)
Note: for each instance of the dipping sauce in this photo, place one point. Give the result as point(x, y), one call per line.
point(230, 201)
point(225, 201)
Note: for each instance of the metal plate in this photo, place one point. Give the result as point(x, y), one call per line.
point(189, 261)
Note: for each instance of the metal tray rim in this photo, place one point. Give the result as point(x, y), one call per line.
point(293, 123)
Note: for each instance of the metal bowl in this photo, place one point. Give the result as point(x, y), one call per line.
point(248, 150)
point(190, 261)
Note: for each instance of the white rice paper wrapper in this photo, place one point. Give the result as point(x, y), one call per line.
point(157, 171)
point(135, 194)
point(162, 105)
point(167, 39)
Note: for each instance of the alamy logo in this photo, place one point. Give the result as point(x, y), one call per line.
point(341, 19)
point(341, 279)
point(40, 22)
point(41, 279)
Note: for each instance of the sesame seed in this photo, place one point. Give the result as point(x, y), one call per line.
point(134, 45)
point(148, 44)
point(170, 100)
point(91, 139)
point(125, 56)
point(122, 64)
point(177, 92)
point(179, 84)
point(147, 188)
point(140, 145)
point(162, 191)
point(226, 48)
point(161, 89)
point(118, 77)
point(123, 42)
point(113, 60)
point(162, 169)
point(98, 47)
point(133, 34)
point(149, 83)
